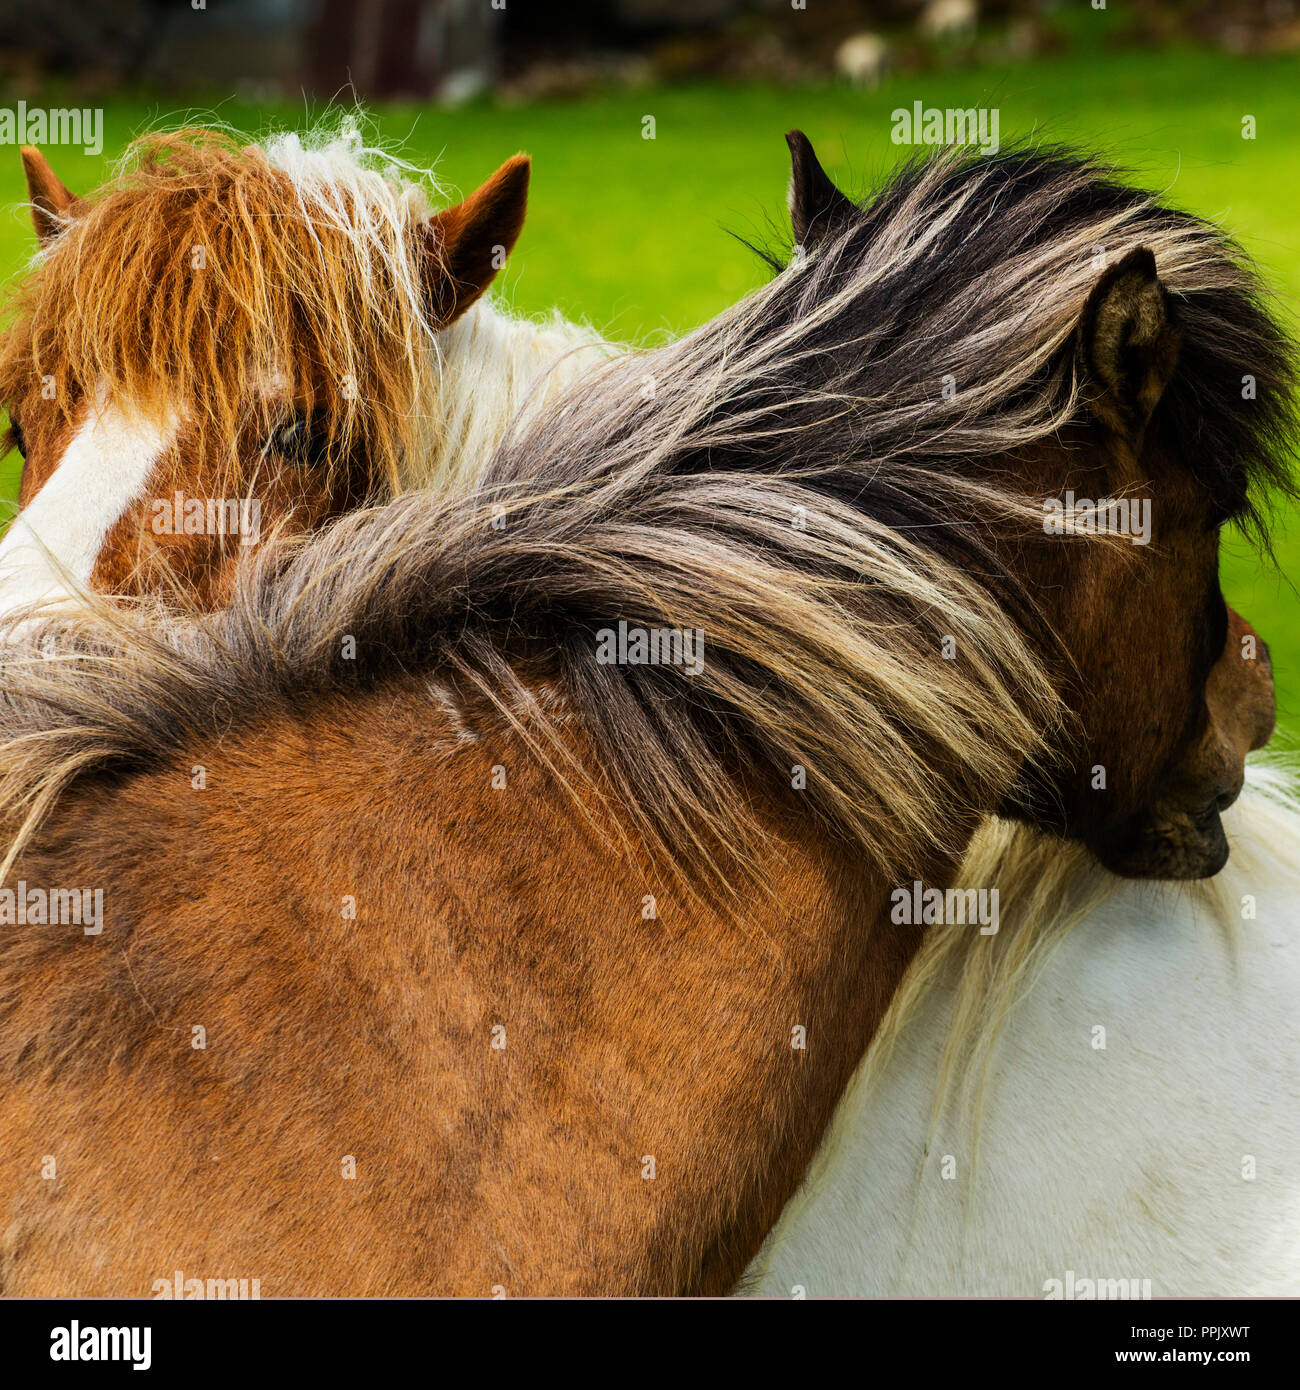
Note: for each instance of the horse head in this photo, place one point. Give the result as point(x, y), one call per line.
point(1151, 406)
point(226, 343)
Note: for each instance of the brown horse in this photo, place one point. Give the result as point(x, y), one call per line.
point(497, 896)
point(232, 341)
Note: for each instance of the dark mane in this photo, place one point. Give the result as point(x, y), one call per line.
point(994, 259)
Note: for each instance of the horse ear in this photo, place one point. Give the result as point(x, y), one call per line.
point(467, 244)
point(817, 207)
point(1129, 343)
point(52, 204)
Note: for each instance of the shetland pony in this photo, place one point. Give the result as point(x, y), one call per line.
point(229, 341)
point(1114, 1132)
point(481, 962)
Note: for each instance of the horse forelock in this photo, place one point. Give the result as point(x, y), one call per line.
point(207, 267)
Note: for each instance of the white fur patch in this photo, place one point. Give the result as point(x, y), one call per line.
point(59, 535)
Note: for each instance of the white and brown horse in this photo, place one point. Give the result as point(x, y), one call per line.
point(488, 954)
point(231, 341)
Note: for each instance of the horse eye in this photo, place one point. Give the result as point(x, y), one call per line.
point(296, 442)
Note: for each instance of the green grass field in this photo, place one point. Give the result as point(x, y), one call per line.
point(631, 234)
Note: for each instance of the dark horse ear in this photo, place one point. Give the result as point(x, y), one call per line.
point(817, 207)
point(467, 244)
point(1128, 343)
point(52, 204)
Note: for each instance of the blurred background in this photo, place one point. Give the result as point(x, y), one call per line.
point(1197, 99)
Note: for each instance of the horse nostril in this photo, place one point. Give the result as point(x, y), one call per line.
point(1225, 798)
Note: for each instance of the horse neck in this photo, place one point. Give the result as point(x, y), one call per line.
point(492, 369)
point(1220, 937)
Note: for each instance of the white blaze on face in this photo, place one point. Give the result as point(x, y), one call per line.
point(61, 531)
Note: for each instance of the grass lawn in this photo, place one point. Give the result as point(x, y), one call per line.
point(631, 233)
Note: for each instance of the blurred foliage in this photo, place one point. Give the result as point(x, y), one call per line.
point(452, 49)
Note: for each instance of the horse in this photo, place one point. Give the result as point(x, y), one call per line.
point(231, 341)
point(1032, 1120)
point(504, 945)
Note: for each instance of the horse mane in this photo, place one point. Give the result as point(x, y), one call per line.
point(805, 667)
point(496, 371)
point(209, 269)
point(788, 480)
point(988, 261)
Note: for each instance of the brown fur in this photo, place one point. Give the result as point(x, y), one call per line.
point(521, 1167)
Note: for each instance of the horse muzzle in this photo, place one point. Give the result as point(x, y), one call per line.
point(1172, 844)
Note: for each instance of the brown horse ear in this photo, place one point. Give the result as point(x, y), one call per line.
point(52, 204)
point(1128, 343)
point(817, 207)
point(467, 244)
